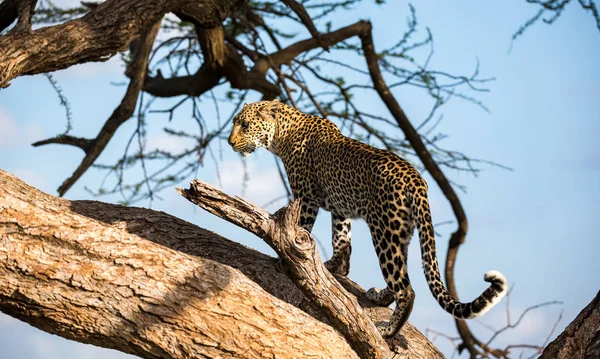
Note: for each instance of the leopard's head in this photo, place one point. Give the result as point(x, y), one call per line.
point(254, 126)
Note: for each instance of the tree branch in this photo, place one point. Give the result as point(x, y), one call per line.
point(581, 339)
point(97, 36)
point(83, 143)
point(212, 43)
point(8, 13)
point(220, 60)
point(413, 137)
point(112, 287)
point(286, 55)
point(299, 9)
point(25, 10)
point(192, 85)
point(71, 275)
point(297, 250)
point(121, 114)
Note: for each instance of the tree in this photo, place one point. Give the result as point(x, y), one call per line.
point(121, 285)
point(237, 45)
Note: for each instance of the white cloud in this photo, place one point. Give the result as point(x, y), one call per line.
point(14, 134)
point(32, 133)
point(262, 184)
point(165, 142)
point(89, 69)
point(32, 178)
point(9, 129)
point(533, 328)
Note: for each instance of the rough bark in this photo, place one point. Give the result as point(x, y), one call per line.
point(89, 271)
point(581, 339)
point(97, 36)
point(8, 13)
point(297, 249)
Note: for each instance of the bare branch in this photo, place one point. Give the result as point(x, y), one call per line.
point(553, 9)
point(83, 143)
point(297, 249)
point(286, 55)
point(93, 148)
point(299, 9)
point(510, 325)
point(104, 31)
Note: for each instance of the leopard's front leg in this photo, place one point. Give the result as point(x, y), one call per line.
point(308, 213)
point(341, 236)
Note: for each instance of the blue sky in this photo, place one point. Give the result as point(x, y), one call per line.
point(536, 224)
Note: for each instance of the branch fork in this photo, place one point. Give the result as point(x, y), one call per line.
point(297, 250)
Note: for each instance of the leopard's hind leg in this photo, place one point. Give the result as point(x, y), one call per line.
point(391, 234)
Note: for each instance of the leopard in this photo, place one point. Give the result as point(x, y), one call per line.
point(353, 180)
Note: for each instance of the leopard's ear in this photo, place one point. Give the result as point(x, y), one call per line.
point(268, 111)
point(272, 106)
point(245, 104)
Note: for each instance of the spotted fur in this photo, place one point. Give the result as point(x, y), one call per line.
point(353, 180)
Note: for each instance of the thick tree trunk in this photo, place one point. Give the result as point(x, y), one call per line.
point(75, 276)
point(97, 36)
point(581, 339)
point(90, 272)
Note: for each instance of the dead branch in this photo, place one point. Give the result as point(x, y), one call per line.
point(507, 352)
point(297, 250)
point(93, 148)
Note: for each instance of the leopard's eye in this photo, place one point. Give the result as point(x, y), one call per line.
point(245, 125)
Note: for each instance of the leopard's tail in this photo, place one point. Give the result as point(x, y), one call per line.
point(489, 298)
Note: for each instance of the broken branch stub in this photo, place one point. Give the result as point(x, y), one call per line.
point(297, 250)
